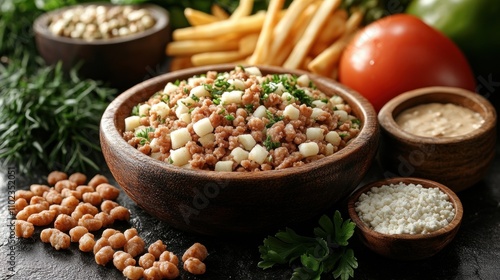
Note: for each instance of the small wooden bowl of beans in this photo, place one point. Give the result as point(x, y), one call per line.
point(405, 218)
point(115, 43)
point(444, 134)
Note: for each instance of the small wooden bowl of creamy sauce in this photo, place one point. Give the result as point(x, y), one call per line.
point(444, 134)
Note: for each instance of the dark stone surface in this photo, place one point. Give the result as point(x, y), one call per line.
point(473, 254)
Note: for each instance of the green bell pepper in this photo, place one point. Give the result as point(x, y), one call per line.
point(474, 25)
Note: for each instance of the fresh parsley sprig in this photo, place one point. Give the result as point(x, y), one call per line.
point(326, 252)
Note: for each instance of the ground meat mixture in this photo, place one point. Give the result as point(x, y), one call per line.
point(241, 121)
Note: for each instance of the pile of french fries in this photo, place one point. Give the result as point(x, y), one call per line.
point(309, 35)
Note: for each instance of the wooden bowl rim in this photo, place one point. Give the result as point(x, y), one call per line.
point(161, 15)
point(366, 230)
point(387, 121)
point(369, 130)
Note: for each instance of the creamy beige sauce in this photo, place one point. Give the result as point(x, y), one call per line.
point(439, 120)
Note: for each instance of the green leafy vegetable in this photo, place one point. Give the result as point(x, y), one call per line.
point(272, 118)
point(270, 145)
point(324, 253)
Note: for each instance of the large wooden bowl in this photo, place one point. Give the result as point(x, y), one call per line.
point(212, 203)
point(122, 61)
point(406, 246)
point(458, 162)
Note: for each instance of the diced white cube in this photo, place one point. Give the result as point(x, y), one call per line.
point(252, 70)
point(309, 149)
point(161, 109)
point(181, 109)
point(224, 165)
point(144, 109)
point(318, 104)
point(132, 122)
point(207, 139)
point(329, 149)
point(203, 127)
point(287, 98)
point(180, 137)
point(316, 112)
point(343, 116)
point(291, 112)
point(315, 133)
point(239, 154)
point(180, 157)
point(170, 88)
point(237, 84)
point(303, 80)
point(260, 112)
point(258, 154)
point(199, 91)
point(333, 138)
point(335, 100)
point(247, 141)
point(229, 97)
point(186, 117)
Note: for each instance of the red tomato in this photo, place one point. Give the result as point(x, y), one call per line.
point(400, 53)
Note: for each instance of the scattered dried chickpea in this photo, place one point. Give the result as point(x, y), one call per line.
point(197, 250)
point(30, 210)
point(71, 202)
point(129, 233)
point(120, 213)
point(90, 222)
point(97, 180)
point(157, 248)
point(100, 243)
point(38, 200)
point(134, 246)
point(60, 209)
point(108, 205)
point(38, 189)
point(117, 240)
point(27, 195)
point(105, 218)
point(152, 273)
point(85, 189)
point(108, 191)
point(122, 259)
point(67, 193)
point(65, 222)
point(168, 256)
point(147, 260)
point(168, 270)
point(64, 184)
point(59, 240)
point(77, 232)
point(46, 234)
point(53, 197)
point(78, 178)
point(19, 205)
point(194, 266)
point(86, 242)
point(133, 272)
point(56, 176)
point(84, 208)
point(104, 255)
point(109, 232)
point(44, 218)
point(93, 198)
point(24, 229)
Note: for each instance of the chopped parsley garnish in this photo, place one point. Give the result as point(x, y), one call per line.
point(135, 110)
point(325, 252)
point(356, 123)
point(343, 134)
point(272, 118)
point(195, 98)
point(270, 145)
point(177, 82)
point(229, 117)
point(145, 134)
point(289, 82)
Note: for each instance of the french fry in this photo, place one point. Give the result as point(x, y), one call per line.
point(327, 61)
point(218, 12)
point(247, 44)
point(333, 29)
point(250, 24)
point(195, 17)
point(208, 58)
point(244, 9)
point(260, 54)
point(189, 47)
point(180, 62)
point(284, 28)
point(301, 49)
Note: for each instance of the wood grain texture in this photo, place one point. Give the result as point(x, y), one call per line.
point(406, 246)
point(121, 61)
point(458, 162)
point(215, 203)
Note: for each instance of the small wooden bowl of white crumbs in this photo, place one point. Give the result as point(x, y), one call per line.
point(405, 218)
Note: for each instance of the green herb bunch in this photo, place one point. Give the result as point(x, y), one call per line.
point(325, 252)
point(49, 121)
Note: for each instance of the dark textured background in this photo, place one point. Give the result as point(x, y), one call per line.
point(473, 254)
